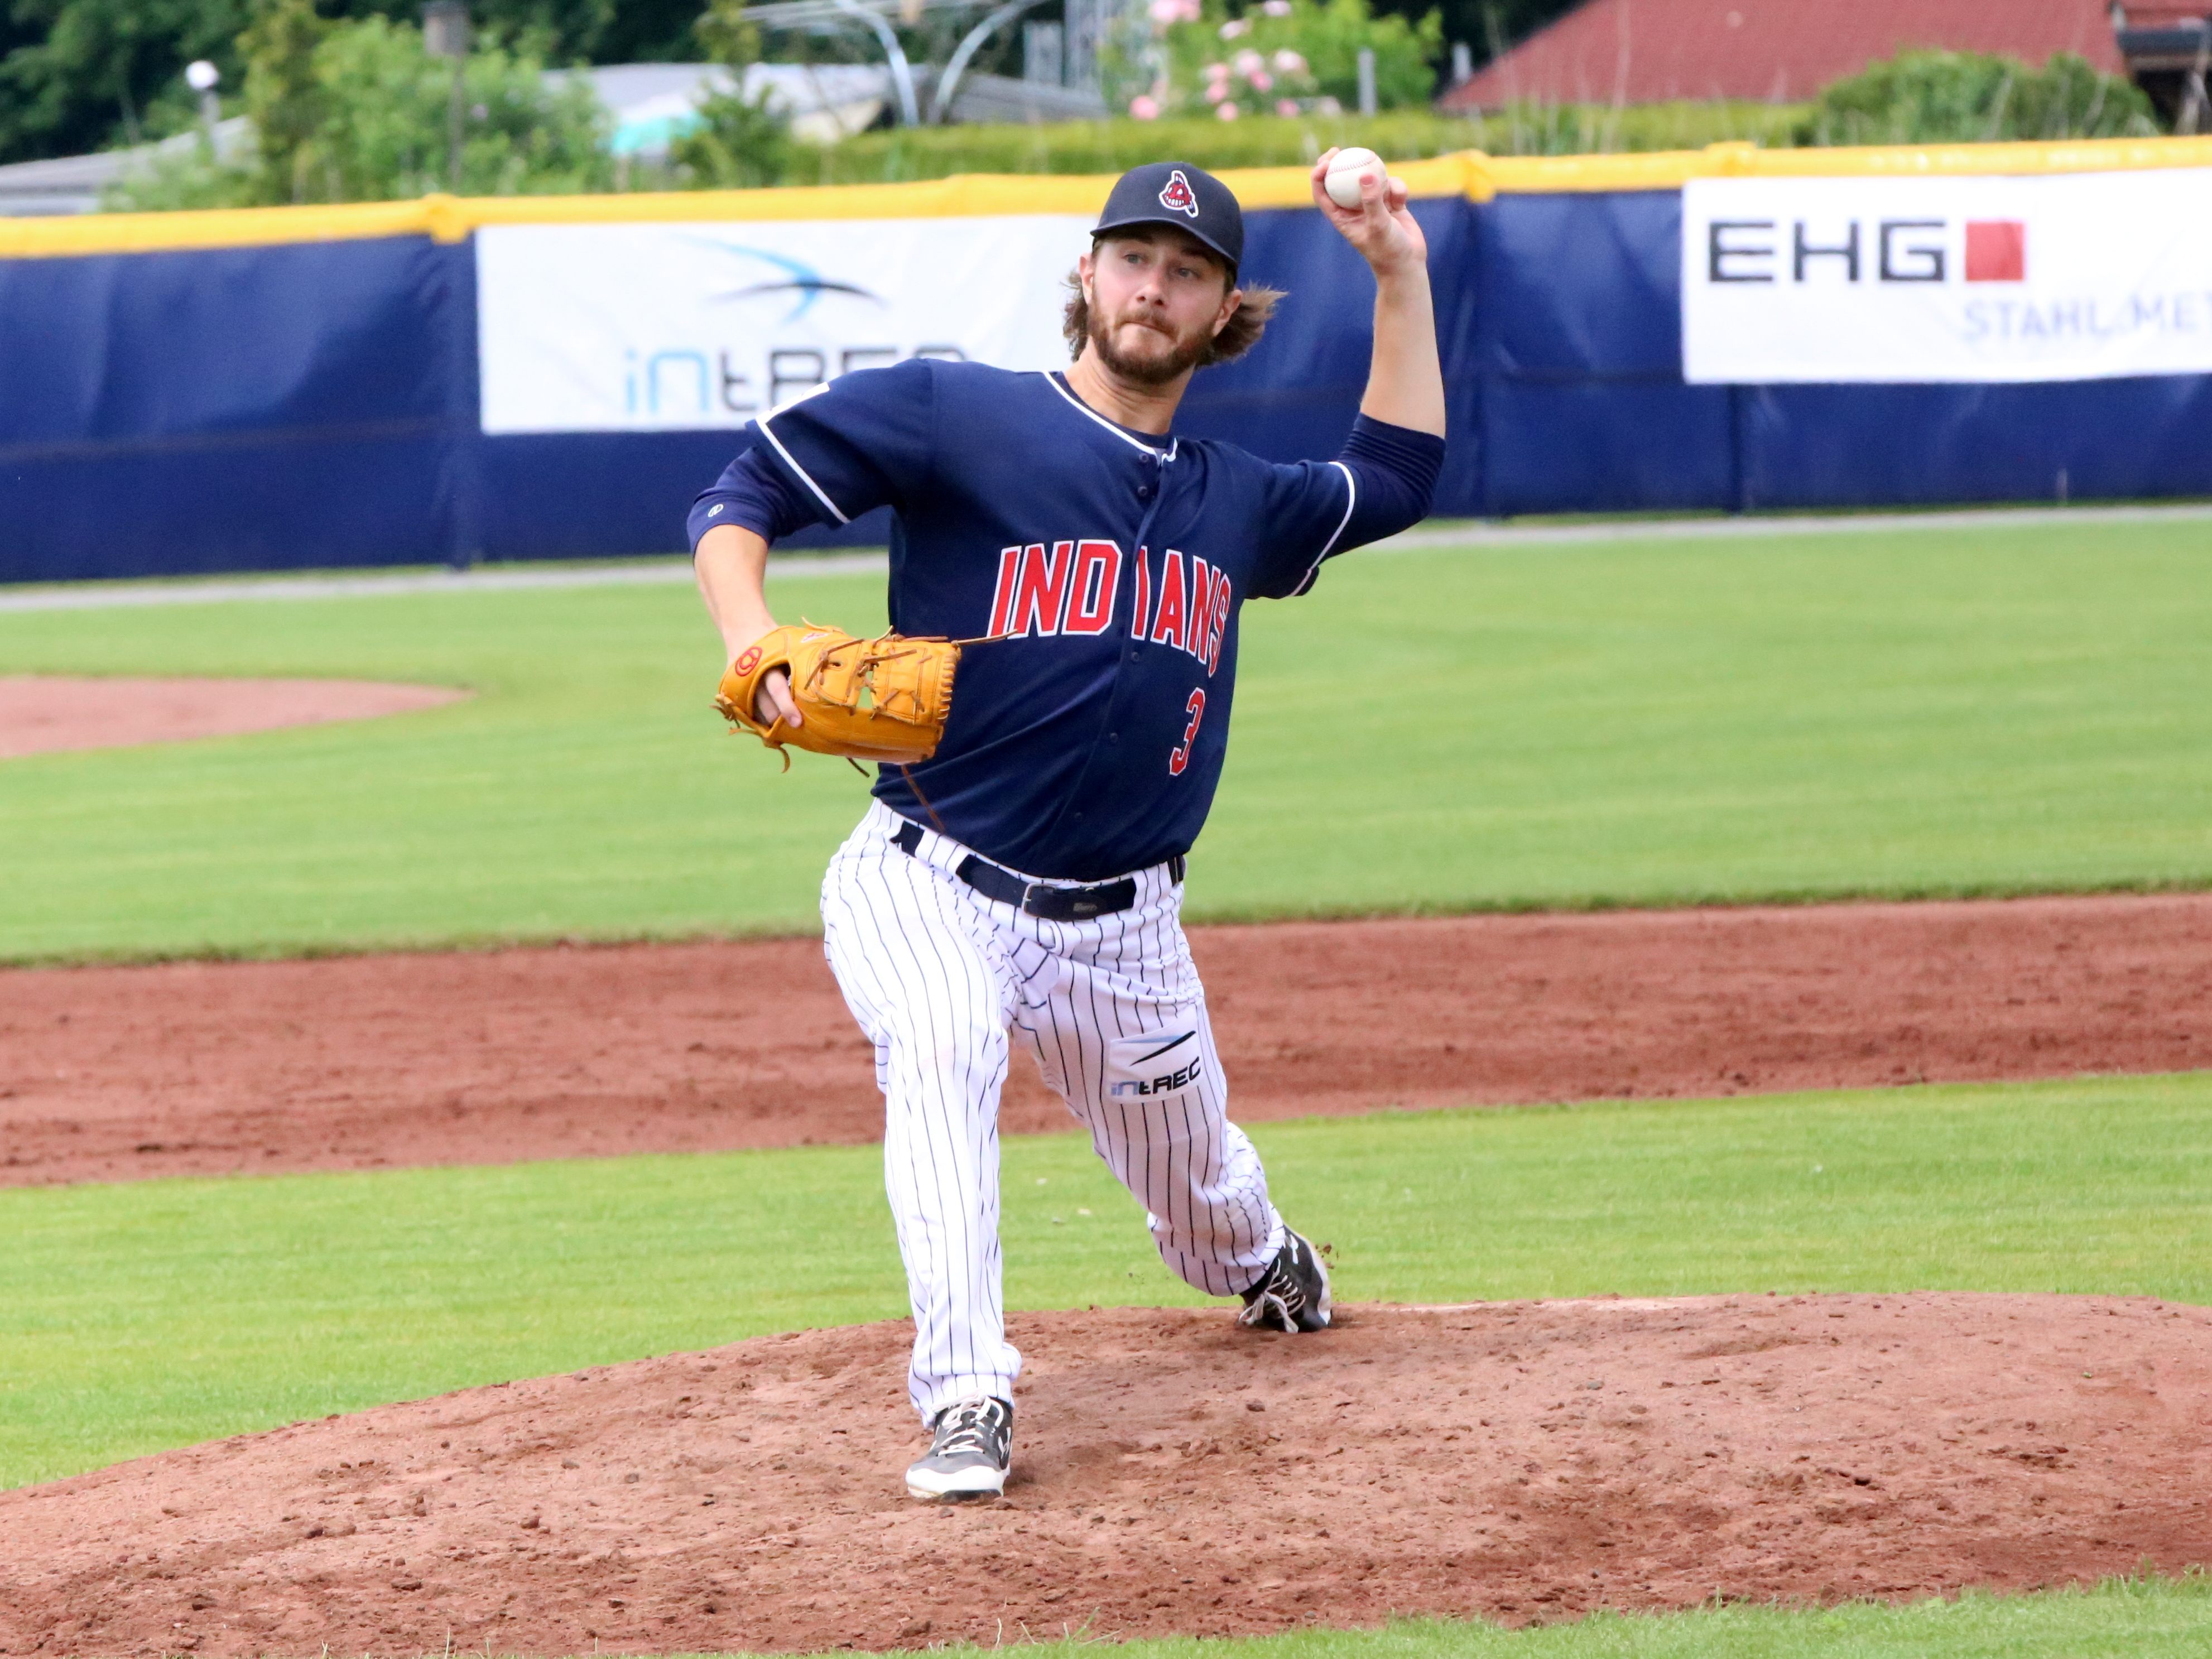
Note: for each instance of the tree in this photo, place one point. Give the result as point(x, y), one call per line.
point(649, 32)
point(385, 135)
point(741, 142)
point(562, 31)
point(283, 98)
point(1488, 26)
point(1271, 54)
point(85, 74)
point(1331, 35)
point(357, 112)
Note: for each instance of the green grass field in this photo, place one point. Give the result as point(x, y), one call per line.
point(1947, 709)
point(1953, 710)
point(152, 1314)
point(2133, 1618)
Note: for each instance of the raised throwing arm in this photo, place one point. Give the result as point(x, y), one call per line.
point(1405, 381)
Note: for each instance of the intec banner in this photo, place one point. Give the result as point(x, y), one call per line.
point(642, 327)
point(2065, 277)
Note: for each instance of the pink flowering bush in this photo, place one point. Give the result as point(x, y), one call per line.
point(1292, 57)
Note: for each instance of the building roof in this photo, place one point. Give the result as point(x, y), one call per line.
point(76, 184)
point(1649, 51)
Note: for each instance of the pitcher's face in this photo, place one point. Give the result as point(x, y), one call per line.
point(1158, 298)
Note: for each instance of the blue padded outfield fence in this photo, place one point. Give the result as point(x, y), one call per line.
point(289, 388)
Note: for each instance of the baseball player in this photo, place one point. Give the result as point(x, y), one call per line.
point(1028, 878)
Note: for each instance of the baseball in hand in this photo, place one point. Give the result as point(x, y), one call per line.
point(1345, 169)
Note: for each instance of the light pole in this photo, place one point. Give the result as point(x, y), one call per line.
point(445, 34)
point(204, 77)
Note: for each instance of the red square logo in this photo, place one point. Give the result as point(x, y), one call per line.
point(1996, 251)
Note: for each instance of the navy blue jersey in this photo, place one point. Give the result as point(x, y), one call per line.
point(1088, 741)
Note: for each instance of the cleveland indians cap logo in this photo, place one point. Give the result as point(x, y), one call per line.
point(1178, 196)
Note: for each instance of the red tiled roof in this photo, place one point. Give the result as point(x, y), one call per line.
point(1648, 51)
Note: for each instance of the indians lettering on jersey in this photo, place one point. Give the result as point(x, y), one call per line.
point(1073, 586)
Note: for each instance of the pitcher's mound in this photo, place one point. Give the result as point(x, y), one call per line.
point(1172, 1474)
point(40, 714)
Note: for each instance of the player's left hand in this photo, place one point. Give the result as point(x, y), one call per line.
point(1380, 226)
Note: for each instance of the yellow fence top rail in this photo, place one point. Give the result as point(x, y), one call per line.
point(1467, 173)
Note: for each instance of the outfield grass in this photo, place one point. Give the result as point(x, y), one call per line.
point(1950, 709)
point(2128, 1619)
point(153, 1315)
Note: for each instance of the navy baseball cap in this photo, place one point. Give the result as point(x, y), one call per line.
point(1177, 193)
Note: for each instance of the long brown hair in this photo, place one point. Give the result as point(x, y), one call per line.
point(1238, 335)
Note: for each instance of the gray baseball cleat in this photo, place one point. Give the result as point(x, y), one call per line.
point(1292, 1295)
point(969, 1456)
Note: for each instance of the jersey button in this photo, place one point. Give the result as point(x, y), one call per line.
point(1143, 492)
point(1113, 737)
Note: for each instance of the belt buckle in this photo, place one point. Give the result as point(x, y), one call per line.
point(1050, 903)
point(1077, 903)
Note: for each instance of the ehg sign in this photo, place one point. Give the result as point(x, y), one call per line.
point(2076, 276)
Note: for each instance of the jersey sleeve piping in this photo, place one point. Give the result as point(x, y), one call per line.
point(1351, 500)
point(799, 471)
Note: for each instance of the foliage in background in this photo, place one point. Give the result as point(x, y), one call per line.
point(1962, 97)
point(1284, 56)
point(85, 75)
point(740, 141)
point(1489, 27)
point(80, 73)
point(1918, 98)
point(284, 99)
point(358, 112)
point(386, 134)
point(894, 153)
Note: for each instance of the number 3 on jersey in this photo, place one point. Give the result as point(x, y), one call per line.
point(1179, 757)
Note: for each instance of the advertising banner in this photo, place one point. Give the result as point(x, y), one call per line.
point(2065, 277)
point(646, 327)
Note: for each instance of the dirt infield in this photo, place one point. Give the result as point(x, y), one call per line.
point(1173, 1473)
point(114, 1073)
point(40, 714)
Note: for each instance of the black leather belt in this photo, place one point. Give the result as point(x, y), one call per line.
point(1038, 898)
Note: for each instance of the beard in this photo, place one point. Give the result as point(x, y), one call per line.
point(1169, 360)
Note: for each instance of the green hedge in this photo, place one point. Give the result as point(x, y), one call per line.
point(1965, 97)
point(1919, 97)
point(1113, 146)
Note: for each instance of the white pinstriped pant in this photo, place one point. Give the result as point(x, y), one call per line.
point(938, 975)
